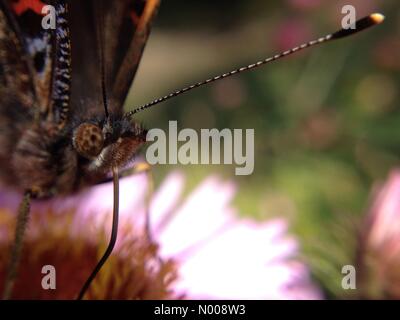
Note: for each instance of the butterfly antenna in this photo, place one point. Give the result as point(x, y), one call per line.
point(100, 43)
point(113, 238)
point(362, 24)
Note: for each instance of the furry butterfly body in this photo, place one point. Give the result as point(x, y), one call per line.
point(55, 136)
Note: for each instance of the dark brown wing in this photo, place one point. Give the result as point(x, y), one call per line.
point(43, 51)
point(17, 92)
point(139, 21)
point(15, 69)
point(124, 28)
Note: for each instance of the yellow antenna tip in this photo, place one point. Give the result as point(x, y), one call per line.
point(377, 18)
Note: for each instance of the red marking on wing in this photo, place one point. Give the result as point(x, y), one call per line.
point(22, 6)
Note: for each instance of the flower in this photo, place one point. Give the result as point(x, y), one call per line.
point(223, 257)
point(379, 247)
point(385, 214)
point(199, 249)
point(71, 235)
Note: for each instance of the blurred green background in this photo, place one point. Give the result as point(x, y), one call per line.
point(326, 120)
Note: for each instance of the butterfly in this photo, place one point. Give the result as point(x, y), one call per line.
point(57, 135)
point(62, 91)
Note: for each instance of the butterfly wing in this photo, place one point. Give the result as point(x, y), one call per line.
point(16, 72)
point(45, 53)
point(18, 94)
point(122, 27)
point(41, 72)
point(137, 23)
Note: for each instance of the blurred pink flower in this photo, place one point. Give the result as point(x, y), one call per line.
point(224, 257)
point(218, 255)
point(384, 224)
point(291, 33)
point(379, 247)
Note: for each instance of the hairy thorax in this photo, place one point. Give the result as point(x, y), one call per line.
point(49, 162)
point(45, 164)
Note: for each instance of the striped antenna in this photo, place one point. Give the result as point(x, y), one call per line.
point(362, 24)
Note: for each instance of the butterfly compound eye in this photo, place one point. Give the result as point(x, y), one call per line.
point(88, 140)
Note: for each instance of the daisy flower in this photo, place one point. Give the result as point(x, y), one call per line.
point(200, 248)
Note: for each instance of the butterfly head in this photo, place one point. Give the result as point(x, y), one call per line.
point(110, 142)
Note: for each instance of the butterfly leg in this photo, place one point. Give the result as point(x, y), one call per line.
point(15, 256)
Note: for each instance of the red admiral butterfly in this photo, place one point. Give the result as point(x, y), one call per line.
point(62, 125)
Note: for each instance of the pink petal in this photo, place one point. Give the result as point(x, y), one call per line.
point(204, 212)
point(386, 211)
point(244, 262)
point(166, 199)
